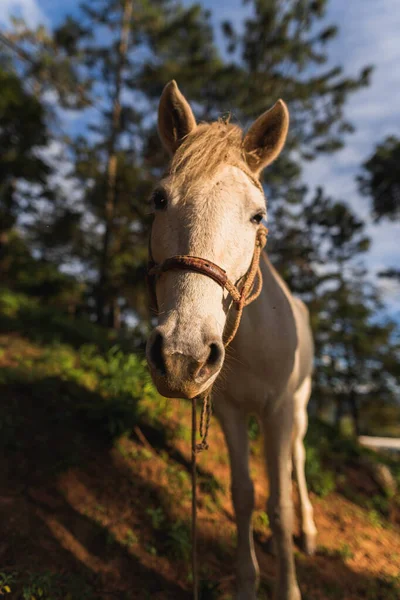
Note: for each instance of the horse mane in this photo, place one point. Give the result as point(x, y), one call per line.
point(204, 151)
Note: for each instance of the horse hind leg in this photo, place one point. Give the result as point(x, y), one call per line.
point(278, 426)
point(308, 528)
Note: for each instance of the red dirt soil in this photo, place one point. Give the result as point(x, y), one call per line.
point(109, 518)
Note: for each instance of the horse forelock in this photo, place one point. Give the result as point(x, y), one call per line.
point(204, 152)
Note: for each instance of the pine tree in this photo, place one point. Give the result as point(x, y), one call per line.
point(22, 131)
point(358, 352)
point(283, 52)
point(117, 157)
point(115, 196)
point(380, 180)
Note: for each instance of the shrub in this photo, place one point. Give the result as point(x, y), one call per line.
point(320, 480)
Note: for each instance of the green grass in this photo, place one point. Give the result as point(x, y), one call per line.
point(103, 388)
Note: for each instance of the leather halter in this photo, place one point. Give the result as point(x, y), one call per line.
point(249, 290)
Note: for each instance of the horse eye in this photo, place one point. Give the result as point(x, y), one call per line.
point(257, 218)
point(159, 200)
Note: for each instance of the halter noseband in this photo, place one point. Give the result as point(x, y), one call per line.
point(249, 291)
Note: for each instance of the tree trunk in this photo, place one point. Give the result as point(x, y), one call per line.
point(339, 411)
point(114, 314)
point(353, 401)
point(103, 290)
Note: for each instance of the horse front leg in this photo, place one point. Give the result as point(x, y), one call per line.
point(234, 425)
point(278, 426)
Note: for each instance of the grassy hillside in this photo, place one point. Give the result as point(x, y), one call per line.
point(95, 482)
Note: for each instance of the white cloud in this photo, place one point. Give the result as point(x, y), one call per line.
point(29, 10)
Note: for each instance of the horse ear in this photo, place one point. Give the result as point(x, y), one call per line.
point(266, 137)
point(175, 117)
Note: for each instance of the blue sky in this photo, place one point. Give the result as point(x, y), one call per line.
point(368, 34)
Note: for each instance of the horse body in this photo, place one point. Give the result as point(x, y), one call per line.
point(210, 205)
point(268, 374)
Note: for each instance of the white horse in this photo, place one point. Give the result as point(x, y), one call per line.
point(210, 205)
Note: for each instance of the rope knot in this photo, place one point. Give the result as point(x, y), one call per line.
point(262, 237)
point(203, 445)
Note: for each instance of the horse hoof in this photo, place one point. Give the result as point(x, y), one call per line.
point(309, 543)
point(292, 594)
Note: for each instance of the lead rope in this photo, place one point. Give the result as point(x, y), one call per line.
point(246, 296)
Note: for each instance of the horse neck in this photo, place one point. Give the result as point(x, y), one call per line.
point(271, 315)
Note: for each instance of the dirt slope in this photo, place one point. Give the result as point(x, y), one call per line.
point(84, 517)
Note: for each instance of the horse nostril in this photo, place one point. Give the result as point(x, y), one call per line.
point(215, 355)
point(212, 363)
point(156, 354)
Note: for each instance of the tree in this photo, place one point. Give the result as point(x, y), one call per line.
point(283, 52)
point(358, 357)
point(380, 180)
point(116, 158)
point(356, 349)
point(105, 54)
point(22, 132)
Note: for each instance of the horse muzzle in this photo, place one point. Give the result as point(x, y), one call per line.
point(183, 372)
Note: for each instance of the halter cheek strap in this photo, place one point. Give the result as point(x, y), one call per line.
point(250, 290)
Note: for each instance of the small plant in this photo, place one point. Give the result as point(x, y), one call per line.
point(209, 505)
point(151, 549)
point(262, 518)
point(180, 432)
point(253, 428)
point(43, 586)
point(157, 517)
point(130, 538)
point(6, 582)
point(381, 504)
point(344, 552)
point(375, 518)
point(210, 485)
point(179, 541)
point(384, 588)
point(321, 481)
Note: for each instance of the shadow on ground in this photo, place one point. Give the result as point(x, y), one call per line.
point(71, 505)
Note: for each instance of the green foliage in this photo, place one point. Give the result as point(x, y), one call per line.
point(178, 543)
point(157, 517)
point(210, 485)
point(115, 383)
point(27, 315)
point(11, 303)
point(282, 50)
point(130, 538)
point(6, 582)
point(261, 522)
point(380, 179)
point(320, 480)
point(44, 586)
point(329, 453)
point(104, 388)
point(22, 131)
point(253, 428)
point(179, 479)
point(344, 552)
